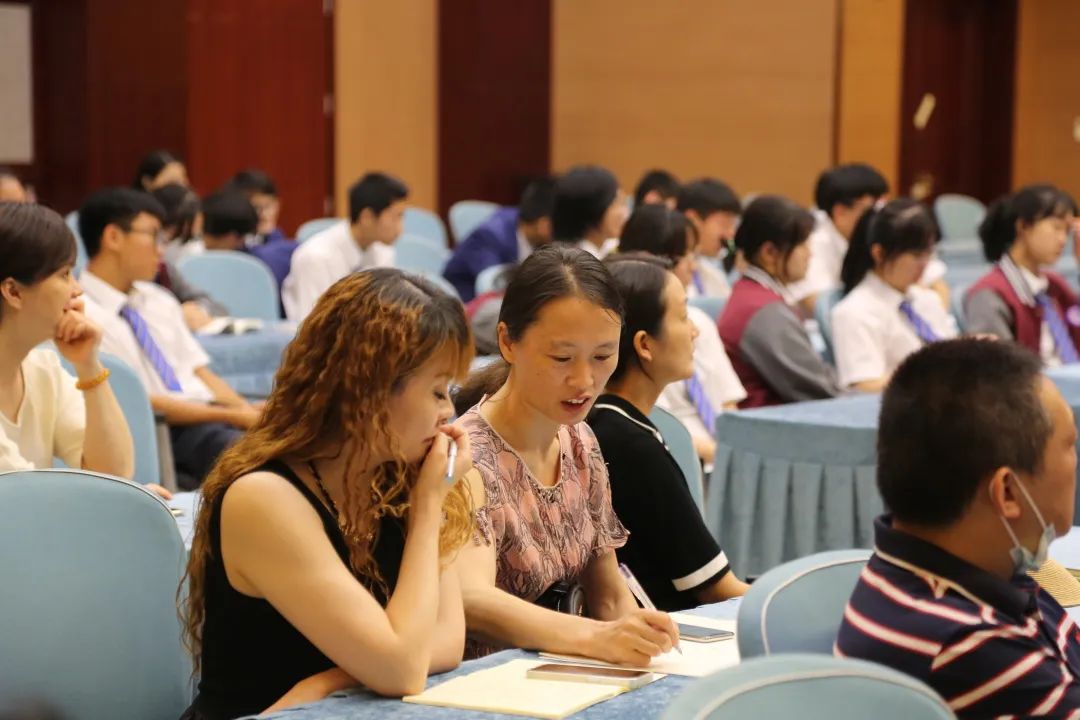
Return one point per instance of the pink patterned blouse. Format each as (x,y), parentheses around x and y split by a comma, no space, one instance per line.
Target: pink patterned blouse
(542,535)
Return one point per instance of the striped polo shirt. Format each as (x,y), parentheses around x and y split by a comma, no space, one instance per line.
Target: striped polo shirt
(990,648)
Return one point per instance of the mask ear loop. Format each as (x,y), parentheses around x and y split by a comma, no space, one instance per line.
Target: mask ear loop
(1027,496)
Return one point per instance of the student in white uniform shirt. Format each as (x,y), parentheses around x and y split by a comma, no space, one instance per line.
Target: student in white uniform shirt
(842,194)
(714,387)
(45,413)
(589,210)
(714,209)
(885,314)
(376,215)
(144,326)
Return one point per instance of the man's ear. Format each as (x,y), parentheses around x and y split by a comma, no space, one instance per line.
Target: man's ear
(1004,494)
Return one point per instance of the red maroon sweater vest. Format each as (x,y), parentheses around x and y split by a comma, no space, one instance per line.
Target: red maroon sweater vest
(747,297)
(1027,320)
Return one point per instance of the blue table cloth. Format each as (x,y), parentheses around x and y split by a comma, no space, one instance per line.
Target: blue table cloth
(793,480)
(249,362)
(646,702)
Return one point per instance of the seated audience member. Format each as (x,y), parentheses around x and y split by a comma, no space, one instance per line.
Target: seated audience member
(263,195)
(885,314)
(670,551)
(322,547)
(762,332)
(713,208)
(44,412)
(1025,233)
(713,387)
(376,214)
(842,195)
(144,326)
(182,229)
(158,168)
(657,187)
(977,465)
(546,531)
(589,209)
(230,221)
(11,187)
(508,236)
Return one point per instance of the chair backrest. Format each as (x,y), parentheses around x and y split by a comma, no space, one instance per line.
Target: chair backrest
(493,278)
(711,305)
(808,687)
(418,221)
(798,606)
(90,566)
(72,219)
(958,216)
(243,284)
(417,253)
(467,215)
(681,445)
(135,404)
(313,227)
(438,280)
(826,301)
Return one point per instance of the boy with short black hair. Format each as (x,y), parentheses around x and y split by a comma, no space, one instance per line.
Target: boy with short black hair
(713,209)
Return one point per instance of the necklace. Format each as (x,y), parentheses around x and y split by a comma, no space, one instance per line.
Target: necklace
(323,490)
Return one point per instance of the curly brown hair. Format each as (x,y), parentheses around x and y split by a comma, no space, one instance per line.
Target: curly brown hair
(365,336)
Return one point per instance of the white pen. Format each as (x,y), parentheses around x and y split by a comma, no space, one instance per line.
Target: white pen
(451,459)
(639,592)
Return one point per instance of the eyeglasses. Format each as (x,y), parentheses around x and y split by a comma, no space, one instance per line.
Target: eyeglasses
(160,237)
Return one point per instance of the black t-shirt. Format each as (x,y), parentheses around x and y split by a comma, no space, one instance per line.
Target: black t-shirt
(670,550)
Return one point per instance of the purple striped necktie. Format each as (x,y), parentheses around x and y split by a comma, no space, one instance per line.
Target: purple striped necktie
(1066,350)
(697,394)
(150,348)
(922,328)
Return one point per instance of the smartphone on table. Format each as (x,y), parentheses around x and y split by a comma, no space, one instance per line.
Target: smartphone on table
(697,633)
(621,677)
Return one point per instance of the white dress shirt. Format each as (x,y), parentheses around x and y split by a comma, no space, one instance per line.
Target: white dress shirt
(827,250)
(50,421)
(323,260)
(163,317)
(871,336)
(610,245)
(710,280)
(713,369)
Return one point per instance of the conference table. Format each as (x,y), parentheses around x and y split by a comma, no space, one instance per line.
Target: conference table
(792,480)
(646,702)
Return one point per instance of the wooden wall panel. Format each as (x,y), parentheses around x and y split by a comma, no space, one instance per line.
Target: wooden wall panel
(386,94)
(494,98)
(1045,148)
(871,68)
(258,73)
(739,89)
(137,85)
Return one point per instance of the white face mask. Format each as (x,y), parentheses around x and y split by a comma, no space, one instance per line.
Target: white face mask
(1025,561)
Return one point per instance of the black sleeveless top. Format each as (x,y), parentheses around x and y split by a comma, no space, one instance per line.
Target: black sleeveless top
(252,655)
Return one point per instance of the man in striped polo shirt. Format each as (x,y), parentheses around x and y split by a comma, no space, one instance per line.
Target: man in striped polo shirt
(977,465)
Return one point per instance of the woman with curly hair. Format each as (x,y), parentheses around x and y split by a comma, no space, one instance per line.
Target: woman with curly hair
(324,538)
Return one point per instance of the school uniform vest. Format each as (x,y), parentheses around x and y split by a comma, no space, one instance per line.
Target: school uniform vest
(1028,319)
(747,298)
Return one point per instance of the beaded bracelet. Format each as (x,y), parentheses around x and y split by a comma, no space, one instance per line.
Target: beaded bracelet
(92,383)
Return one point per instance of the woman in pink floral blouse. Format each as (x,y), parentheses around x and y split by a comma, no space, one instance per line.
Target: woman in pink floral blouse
(539,482)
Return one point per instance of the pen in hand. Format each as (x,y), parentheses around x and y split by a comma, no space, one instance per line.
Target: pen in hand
(639,593)
(450,462)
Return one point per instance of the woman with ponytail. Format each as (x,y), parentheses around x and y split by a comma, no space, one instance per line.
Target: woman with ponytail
(762,333)
(546,532)
(885,314)
(1024,233)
